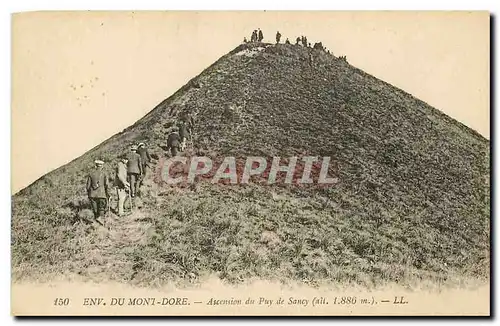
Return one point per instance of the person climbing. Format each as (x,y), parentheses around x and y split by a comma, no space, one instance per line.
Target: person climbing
(278,37)
(134,170)
(287,41)
(173,142)
(191,124)
(183,135)
(261,36)
(145,160)
(145,156)
(121,184)
(98,190)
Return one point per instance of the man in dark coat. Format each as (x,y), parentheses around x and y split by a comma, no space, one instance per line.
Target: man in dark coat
(145,160)
(134,170)
(145,157)
(173,142)
(98,189)
(278,36)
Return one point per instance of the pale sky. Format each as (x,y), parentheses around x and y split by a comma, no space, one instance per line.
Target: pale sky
(80,77)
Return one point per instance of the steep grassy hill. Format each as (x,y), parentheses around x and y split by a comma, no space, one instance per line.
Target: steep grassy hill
(412,200)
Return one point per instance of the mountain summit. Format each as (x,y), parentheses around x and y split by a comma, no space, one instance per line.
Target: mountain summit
(412,201)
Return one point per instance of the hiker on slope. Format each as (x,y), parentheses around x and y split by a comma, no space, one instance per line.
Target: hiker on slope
(98,189)
(191,124)
(173,142)
(121,183)
(145,159)
(278,37)
(311,58)
(134,170)
(183,135)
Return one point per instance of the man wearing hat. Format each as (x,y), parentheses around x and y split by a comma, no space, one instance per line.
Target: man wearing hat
(134,170)
(98,189)
(121,183)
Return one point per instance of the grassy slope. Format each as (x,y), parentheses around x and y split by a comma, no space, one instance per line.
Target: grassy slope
(412,202)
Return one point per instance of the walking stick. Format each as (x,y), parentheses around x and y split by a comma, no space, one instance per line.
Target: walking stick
(131,202)
(107,212)
(109,206)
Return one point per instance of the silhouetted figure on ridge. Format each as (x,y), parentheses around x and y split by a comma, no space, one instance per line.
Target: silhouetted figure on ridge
(261,36)
(254,36)
(318,46)
(278,36)
(297,40)
(287,41)
(304,41)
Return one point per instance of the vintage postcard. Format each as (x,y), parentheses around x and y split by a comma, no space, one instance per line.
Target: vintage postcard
(250,163)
